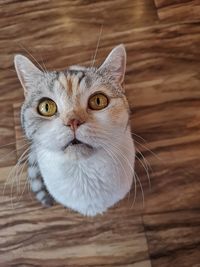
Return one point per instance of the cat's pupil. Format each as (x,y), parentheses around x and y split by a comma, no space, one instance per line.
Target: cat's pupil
(98,101)
(47,107)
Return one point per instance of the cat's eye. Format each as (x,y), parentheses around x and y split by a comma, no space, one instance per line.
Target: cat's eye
(47,107)
(98,101)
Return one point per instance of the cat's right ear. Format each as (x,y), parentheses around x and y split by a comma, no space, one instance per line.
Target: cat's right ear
(27,72)
(115,63)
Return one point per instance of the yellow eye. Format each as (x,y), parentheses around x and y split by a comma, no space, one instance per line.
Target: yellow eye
(47,107)
(98,101)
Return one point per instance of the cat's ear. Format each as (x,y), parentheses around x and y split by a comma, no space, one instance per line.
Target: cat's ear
(27,72)
(115,63)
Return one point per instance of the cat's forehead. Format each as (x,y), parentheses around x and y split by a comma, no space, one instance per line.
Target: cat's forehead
(71,80)
(78,80)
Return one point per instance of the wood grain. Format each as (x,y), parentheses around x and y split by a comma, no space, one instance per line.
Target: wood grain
(162,86)
(178,10)
(7,140)
(173,238)
(21,142)
(61,33)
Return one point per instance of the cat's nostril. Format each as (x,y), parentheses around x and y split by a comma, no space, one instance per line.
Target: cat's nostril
(74,124)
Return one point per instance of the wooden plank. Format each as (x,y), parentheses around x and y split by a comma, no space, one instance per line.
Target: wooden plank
(7,140)
(178,10)
(22,144)
(173,238)
(61,33)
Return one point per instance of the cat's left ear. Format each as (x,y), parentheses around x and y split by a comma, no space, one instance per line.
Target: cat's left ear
(27,72)
(115,63)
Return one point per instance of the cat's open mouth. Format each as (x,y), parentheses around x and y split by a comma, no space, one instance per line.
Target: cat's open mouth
(76,143)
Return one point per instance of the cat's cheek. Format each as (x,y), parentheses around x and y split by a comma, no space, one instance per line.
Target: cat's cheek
(112,121)
(54,137)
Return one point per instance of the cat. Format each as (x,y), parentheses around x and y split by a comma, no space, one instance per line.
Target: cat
(77,120)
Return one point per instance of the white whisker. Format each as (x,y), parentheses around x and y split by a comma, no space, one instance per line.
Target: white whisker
(145,166)
(3,158)
(25,49)
(97,47)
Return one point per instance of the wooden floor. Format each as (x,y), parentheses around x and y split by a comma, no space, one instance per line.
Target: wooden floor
(162,38)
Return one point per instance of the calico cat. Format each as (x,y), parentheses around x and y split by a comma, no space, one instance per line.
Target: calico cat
(82,153)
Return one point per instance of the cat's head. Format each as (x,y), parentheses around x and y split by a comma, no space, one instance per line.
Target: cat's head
(78,110)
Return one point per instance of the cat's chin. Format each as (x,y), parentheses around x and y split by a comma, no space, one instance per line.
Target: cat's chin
(78,151)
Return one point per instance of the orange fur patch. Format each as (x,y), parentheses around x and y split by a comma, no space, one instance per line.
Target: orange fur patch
(69,85)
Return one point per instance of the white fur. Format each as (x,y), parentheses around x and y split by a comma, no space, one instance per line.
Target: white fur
(36,185)
(91,185)
(40,195)
(32,171)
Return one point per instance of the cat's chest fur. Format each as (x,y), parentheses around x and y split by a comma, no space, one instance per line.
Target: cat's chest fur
(88,186)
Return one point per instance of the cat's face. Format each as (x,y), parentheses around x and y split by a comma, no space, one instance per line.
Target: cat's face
(76,111)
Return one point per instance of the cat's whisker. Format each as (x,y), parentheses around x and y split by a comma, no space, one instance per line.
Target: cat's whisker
(25,49)
(122,154)
(11,152)
(118,161)
(12,143)
(148,149)
(147,164)
(140,137)
(144,165)
(97,47)
(44,67)
(115,160)
(141,187)
(16,180)
(144,159)
(145,168)
(139,182)
(26,180)
(18,169)
(135,178)
(117,134)
(135,189)
(13,181)
(19,175)
(23,190)
(10,175)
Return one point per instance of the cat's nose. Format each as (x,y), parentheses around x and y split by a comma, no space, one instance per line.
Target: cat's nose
(74,124)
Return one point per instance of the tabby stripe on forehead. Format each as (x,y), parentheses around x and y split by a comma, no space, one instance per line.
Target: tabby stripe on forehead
(78,73)
(69,84)
(81,75)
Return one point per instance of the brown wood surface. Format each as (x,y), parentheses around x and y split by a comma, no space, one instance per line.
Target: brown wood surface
(162,38)
(178,10)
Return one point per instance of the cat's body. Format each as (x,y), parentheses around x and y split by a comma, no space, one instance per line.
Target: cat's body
(83,154)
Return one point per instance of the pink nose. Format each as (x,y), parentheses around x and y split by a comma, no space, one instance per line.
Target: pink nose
(74,124)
